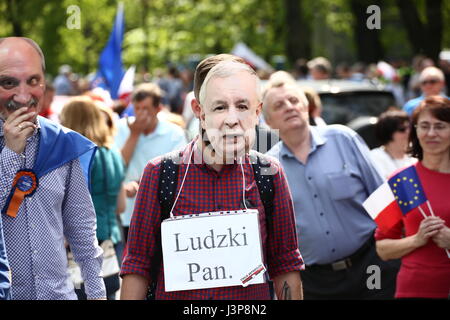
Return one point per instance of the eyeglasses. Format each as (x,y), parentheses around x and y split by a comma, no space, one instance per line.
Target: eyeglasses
(402,129)
(430,81)
(437,127)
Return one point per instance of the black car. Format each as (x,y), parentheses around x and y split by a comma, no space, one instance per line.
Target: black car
(351,103)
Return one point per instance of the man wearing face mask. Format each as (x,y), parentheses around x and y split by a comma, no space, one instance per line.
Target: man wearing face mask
(44,193)
(216,168)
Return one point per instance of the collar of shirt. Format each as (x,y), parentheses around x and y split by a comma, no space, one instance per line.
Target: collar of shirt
(317,140)
(2,123)
(160,129)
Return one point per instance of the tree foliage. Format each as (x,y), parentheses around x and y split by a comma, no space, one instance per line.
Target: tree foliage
(162,31)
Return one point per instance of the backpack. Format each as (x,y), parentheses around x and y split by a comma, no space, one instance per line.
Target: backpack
(167,186)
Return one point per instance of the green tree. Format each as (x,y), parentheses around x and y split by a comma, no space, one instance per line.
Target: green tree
(425,34)
(368,42)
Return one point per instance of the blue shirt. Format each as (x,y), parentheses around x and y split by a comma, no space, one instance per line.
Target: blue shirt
(60,209)
(412,104)
(328,192)
(165,138)
(5,283)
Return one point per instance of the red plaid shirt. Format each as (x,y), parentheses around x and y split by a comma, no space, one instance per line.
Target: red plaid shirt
(206,190)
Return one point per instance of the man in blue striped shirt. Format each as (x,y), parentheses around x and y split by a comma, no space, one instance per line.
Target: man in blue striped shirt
(329,174)
(5,281)
(44,194)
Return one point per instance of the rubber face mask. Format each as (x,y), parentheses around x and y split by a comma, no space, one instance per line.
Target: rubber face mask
(229,116)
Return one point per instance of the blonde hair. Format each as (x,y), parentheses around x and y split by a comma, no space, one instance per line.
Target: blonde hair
(81,114)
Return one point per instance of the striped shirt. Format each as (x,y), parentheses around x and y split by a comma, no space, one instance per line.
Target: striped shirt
(61,208)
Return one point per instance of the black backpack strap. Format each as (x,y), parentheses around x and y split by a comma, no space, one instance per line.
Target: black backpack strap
(264,180)
(168,180)
(167,187)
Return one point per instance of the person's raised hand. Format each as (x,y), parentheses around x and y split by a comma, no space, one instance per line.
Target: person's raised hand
(17,128)
(131,188)
(141,122)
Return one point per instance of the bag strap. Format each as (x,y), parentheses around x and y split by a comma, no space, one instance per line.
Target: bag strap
(264,181)
(168,181)
(167,186)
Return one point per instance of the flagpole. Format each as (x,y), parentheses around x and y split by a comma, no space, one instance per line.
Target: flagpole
(429,208)
(432,213)
(422,212)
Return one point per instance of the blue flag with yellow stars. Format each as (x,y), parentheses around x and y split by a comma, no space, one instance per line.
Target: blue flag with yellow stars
(407,189)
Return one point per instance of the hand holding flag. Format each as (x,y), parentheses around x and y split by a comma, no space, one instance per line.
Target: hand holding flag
(428,228)
(397,197)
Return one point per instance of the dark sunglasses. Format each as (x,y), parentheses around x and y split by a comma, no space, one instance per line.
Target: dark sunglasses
(431,81)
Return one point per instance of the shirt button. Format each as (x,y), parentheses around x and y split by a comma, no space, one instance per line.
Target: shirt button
(315,196)
(35,251)
(309,178)
(321,214)
(333,250)
(328,232)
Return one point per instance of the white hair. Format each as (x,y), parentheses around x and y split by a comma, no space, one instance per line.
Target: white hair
(432,72)
(225,69)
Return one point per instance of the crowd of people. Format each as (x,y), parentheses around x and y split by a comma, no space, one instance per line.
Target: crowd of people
(85,187)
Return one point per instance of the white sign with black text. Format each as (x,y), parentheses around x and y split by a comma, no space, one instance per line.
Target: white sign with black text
(210,250)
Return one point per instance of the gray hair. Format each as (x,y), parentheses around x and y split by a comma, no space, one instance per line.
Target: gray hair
(34,45)
(225,69)
(278,82)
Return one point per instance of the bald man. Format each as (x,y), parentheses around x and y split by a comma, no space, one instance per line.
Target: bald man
(44,194)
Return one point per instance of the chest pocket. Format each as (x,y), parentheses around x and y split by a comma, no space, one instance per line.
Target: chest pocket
(343,185)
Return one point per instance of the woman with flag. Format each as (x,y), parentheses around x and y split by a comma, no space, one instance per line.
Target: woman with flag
(417,229)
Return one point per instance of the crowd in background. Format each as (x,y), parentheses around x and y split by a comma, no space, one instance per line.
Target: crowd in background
(157,118)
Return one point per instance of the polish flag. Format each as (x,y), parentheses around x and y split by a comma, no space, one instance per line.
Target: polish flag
(126,86)
(383,207)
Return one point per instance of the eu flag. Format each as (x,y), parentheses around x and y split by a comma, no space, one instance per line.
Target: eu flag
(110,64)
(407,189)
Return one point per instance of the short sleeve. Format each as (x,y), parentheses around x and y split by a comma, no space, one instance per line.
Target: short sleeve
(395,232)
